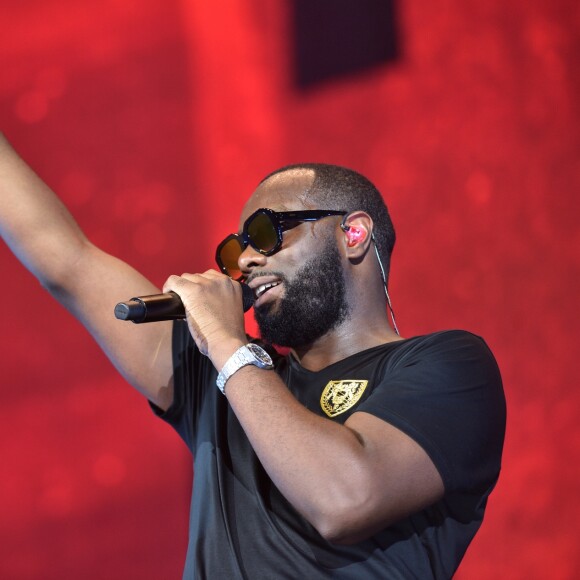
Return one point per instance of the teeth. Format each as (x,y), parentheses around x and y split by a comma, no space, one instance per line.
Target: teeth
(261,289)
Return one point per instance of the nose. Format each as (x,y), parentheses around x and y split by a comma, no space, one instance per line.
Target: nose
(250,259)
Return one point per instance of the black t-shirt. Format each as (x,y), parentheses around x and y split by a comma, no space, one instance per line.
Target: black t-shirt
(443,390)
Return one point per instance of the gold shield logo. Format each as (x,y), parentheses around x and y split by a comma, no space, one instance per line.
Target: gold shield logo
(340,396)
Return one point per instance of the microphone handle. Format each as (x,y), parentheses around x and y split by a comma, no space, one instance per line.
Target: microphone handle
(158,307)
(152,308)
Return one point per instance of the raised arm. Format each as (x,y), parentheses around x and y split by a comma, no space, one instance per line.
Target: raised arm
(87,281)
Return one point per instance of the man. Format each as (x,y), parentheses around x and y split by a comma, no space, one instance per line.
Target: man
(360,454)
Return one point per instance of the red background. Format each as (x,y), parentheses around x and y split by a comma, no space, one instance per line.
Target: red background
(155,119)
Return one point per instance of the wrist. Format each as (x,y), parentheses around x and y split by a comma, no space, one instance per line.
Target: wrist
(222,351)
(248,354)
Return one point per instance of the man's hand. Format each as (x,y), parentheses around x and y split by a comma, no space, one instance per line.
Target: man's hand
(213,306)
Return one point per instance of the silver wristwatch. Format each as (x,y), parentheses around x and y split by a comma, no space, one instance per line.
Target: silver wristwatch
(250,354)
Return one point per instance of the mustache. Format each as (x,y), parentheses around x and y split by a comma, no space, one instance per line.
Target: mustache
(263,273)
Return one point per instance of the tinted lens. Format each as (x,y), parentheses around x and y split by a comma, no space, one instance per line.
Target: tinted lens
(262,233)
(228,256)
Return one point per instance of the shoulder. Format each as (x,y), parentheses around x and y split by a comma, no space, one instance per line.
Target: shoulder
(445,347)
(446,340)
(443,361)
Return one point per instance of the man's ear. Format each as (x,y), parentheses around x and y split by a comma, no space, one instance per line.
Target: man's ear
(358,229)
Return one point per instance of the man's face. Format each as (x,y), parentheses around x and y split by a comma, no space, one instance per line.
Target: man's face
(306,292)
(313,303)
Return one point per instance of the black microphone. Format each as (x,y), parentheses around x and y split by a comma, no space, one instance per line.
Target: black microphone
(157,307)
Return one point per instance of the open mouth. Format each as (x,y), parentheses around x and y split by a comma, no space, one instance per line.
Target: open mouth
(263,288)
(263,283)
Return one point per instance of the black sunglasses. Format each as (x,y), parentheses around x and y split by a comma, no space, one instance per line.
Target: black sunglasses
(263,231)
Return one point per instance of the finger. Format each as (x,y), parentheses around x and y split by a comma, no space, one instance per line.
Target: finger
(176,283)
(169,284)
(212,273)
(188,283)
(214,276)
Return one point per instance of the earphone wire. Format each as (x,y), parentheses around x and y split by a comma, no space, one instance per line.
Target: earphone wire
(384,277)
(345,228)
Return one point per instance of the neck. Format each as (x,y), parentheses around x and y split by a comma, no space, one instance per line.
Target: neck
(353,335)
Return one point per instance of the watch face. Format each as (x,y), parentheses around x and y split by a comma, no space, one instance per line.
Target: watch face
(260,354)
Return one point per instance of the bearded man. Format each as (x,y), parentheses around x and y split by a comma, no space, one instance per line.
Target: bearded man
(359,453)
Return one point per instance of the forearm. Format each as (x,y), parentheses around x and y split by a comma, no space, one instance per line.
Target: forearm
(319,465)
(34,222)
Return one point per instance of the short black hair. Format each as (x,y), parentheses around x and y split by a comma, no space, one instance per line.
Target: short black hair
(339,188)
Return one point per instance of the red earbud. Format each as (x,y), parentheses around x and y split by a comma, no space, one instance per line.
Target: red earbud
(355,235)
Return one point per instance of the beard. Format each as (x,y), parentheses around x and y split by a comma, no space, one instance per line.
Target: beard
(313,304)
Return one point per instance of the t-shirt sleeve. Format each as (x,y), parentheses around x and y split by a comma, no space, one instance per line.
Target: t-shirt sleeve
(193,374)
(446,393)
